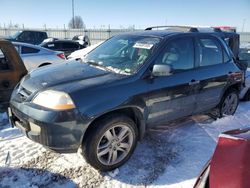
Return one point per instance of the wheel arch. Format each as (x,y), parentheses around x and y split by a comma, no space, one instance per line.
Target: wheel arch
(132,112)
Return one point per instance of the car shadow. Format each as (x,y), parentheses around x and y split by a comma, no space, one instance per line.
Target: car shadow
(164,151)
(32,177)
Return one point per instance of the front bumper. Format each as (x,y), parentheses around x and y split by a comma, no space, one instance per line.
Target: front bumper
(61,131)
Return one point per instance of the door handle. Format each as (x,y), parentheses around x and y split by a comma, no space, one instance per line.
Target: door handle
(6,84)
(194,82)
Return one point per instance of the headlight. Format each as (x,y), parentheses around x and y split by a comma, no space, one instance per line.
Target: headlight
(55,100)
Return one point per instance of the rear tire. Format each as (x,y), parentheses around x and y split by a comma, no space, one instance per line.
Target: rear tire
(229,103)
(110,143)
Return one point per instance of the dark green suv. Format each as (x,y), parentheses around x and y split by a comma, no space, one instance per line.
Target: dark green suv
(105,102)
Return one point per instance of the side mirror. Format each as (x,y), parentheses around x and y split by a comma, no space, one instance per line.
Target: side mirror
(161,70)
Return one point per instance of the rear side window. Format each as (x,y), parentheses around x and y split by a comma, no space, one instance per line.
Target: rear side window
(28,50)
(68,45)
(179,54)
(210,52)
(4,62)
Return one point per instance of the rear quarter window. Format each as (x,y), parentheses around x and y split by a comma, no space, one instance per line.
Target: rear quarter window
(28,50)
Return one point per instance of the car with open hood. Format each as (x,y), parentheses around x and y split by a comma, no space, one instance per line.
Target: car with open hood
(12,69)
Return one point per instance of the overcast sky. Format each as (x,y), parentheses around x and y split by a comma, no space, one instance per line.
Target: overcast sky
(125,13)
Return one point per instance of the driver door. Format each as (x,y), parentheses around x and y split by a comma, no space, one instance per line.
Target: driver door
(171,97)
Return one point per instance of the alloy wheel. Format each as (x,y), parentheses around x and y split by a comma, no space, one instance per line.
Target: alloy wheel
(115,145)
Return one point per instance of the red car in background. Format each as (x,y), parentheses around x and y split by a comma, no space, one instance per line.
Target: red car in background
(230,164)
(226,28)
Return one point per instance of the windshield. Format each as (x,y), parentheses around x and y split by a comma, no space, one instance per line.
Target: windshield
(123,54)
(15,35)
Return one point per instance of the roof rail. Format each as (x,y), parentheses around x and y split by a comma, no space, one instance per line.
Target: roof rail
(186,28)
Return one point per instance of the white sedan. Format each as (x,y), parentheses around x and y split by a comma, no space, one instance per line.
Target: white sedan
(81,53)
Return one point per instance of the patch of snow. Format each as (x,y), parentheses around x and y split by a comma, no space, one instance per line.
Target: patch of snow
(170,156)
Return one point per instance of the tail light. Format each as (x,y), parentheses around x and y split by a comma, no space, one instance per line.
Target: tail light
(61,55)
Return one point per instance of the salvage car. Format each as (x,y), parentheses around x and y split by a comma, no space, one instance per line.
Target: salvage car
(12,70)
(35,56)
(104,103)
(229,166)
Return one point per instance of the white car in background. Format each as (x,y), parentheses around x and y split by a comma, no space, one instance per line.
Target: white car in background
(81,53)
(35,56)
(244,54)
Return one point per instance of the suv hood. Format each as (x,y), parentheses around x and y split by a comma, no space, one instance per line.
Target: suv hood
(65,73)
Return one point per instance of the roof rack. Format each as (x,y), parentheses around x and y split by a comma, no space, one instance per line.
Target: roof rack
(185,28)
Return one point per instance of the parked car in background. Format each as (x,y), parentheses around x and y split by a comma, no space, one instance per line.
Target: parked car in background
(229,166)
(66,46)
(35,56)
(244,54)
(78,54)
(28,36)
(226,28)
(133,81)
(12,70)
(82,39)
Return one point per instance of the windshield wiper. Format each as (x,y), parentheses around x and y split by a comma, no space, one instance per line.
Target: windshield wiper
(92,62)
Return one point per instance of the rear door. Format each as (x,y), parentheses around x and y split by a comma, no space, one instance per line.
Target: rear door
(12,70)
(212,72)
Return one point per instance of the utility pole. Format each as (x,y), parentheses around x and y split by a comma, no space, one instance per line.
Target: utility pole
(73,13)
(243,25)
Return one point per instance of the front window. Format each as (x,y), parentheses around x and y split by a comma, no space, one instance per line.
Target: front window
(123,54)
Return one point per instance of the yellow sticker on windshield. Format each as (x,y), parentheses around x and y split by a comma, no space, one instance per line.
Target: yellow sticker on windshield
(143,45)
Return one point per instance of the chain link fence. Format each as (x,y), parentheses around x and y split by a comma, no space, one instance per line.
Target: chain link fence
(95,35)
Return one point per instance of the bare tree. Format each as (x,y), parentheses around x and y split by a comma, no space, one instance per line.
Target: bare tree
(76,23)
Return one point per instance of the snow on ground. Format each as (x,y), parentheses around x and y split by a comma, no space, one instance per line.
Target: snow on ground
(170,156)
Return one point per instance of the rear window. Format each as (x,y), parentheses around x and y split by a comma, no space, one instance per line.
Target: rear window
(210,52)
(4,62)
(28,50)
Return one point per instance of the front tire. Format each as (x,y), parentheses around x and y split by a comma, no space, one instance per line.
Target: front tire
(229,103)
(110,143)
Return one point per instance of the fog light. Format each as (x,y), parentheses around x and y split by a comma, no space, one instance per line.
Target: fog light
(35,128)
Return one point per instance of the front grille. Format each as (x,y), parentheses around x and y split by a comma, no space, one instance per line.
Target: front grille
(17,116)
